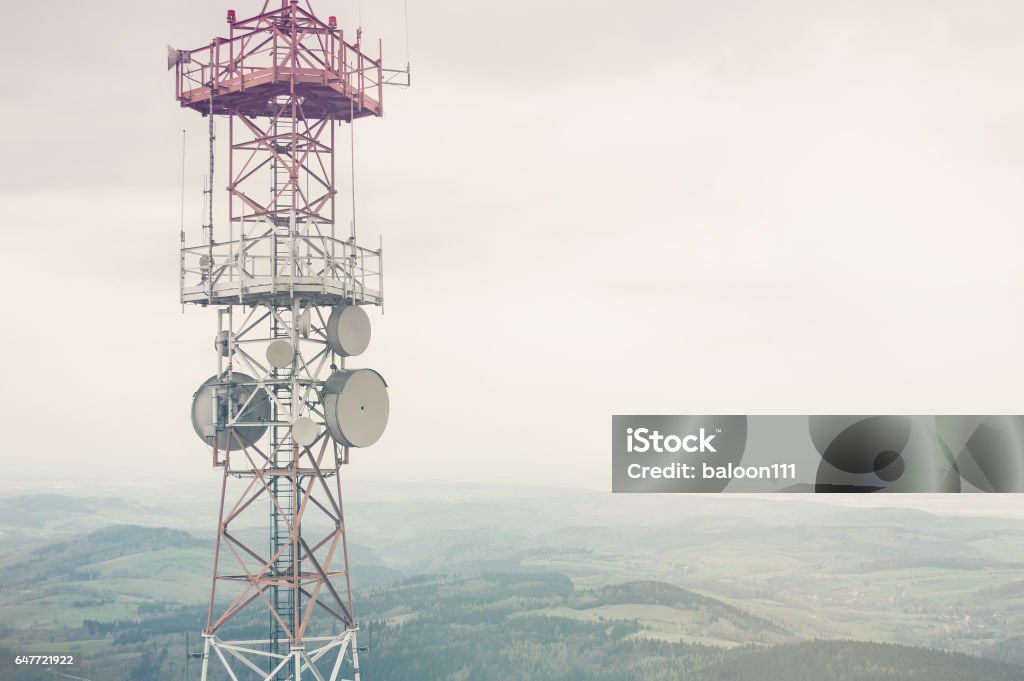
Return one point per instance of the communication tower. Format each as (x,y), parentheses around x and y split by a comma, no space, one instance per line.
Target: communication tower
(283,411)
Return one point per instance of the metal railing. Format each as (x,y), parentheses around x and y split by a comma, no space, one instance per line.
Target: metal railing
(248,269)
(262,52)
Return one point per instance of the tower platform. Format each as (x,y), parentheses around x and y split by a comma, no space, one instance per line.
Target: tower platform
(274,269)
(255,91)
(275,56)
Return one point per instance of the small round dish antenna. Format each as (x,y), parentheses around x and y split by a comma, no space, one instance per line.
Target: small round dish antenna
(217,394)
(305,431)
(356,406)
(280,353)
(348,330)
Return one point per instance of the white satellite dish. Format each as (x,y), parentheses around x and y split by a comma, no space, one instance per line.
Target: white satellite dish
(280,353)
(356,406)
(217,391)
(305,431)
(348,330)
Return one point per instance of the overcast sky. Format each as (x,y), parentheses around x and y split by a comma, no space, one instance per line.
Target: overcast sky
(588,209)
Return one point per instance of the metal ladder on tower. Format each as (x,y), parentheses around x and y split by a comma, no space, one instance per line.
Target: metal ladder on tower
(283,595)
(282,514)
(285,196)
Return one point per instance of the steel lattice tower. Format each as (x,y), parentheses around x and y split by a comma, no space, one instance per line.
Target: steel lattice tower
(282,411)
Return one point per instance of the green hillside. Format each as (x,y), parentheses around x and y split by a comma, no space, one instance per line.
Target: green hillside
(538,585)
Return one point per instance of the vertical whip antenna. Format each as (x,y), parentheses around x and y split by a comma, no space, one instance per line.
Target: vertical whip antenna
(408,59)
(181,225)
(352,165)
(181,222)
(209,183)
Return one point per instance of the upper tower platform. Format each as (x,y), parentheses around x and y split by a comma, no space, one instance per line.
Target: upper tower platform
(283,52)
(284,80)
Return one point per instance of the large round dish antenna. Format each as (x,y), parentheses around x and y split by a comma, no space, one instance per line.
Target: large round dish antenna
(348,330)
(356,406)
(217,393)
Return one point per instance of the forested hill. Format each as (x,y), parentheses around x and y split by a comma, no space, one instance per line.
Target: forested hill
(77,558)
(498,626)
(516,627)
(667,595)
(854,661)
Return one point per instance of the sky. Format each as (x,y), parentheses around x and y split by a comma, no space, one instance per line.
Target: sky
(588,209)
